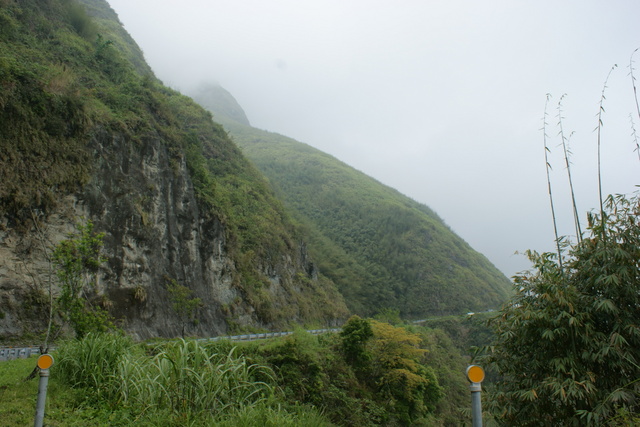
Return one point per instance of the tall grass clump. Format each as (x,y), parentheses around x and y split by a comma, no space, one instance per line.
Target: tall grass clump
(91,362)
(185,378)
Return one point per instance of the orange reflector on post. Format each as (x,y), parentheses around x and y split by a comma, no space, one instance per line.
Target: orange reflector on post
(475,373)
(45,361)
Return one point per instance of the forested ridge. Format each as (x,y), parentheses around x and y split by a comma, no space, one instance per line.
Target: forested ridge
(382,249)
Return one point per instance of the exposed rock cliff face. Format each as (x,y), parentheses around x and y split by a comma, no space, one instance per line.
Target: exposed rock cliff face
(156,233)
(25,270)
(143,199)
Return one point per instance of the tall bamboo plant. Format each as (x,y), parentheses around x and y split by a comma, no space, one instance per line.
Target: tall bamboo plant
(634,135)
(567,154)
(548,168)
(566,345)
(635,95)
(599,129)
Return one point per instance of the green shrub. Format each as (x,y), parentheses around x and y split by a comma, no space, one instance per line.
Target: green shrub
(77,260)
(80,21)
(354,335)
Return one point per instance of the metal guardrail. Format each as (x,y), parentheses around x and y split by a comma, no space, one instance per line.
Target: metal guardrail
(264,335)
(11,353)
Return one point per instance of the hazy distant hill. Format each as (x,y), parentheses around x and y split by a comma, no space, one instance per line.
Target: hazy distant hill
(381,248)
(214,97)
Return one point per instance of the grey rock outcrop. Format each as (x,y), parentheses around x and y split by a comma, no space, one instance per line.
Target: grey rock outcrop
(143,199)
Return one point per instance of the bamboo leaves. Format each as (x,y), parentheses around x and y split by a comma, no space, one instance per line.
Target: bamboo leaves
(572,334)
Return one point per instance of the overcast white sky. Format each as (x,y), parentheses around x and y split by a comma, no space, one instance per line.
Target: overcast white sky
(442,100)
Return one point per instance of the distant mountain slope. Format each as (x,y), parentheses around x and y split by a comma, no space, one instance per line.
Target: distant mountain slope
(217,99)
(381,248)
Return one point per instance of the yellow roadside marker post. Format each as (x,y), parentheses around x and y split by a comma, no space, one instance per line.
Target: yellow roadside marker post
(475,374)
(44,363)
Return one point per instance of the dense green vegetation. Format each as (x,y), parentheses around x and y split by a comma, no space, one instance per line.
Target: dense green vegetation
(370,374)
(567,345)
(382,249)
(468,332)
(82,392)
(77,260)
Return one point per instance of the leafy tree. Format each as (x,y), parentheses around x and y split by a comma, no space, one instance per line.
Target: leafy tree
(354,337)
(184,304)
(567,345)
(77,260)
(389,315)
(401,376)
(390,361)
(449,365)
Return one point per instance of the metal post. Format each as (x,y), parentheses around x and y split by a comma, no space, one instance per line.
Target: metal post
(476,404)
(45,361)
(475,375)
(42,397)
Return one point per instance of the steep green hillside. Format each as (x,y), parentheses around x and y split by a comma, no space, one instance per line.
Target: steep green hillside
(82,115)
(383,249)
